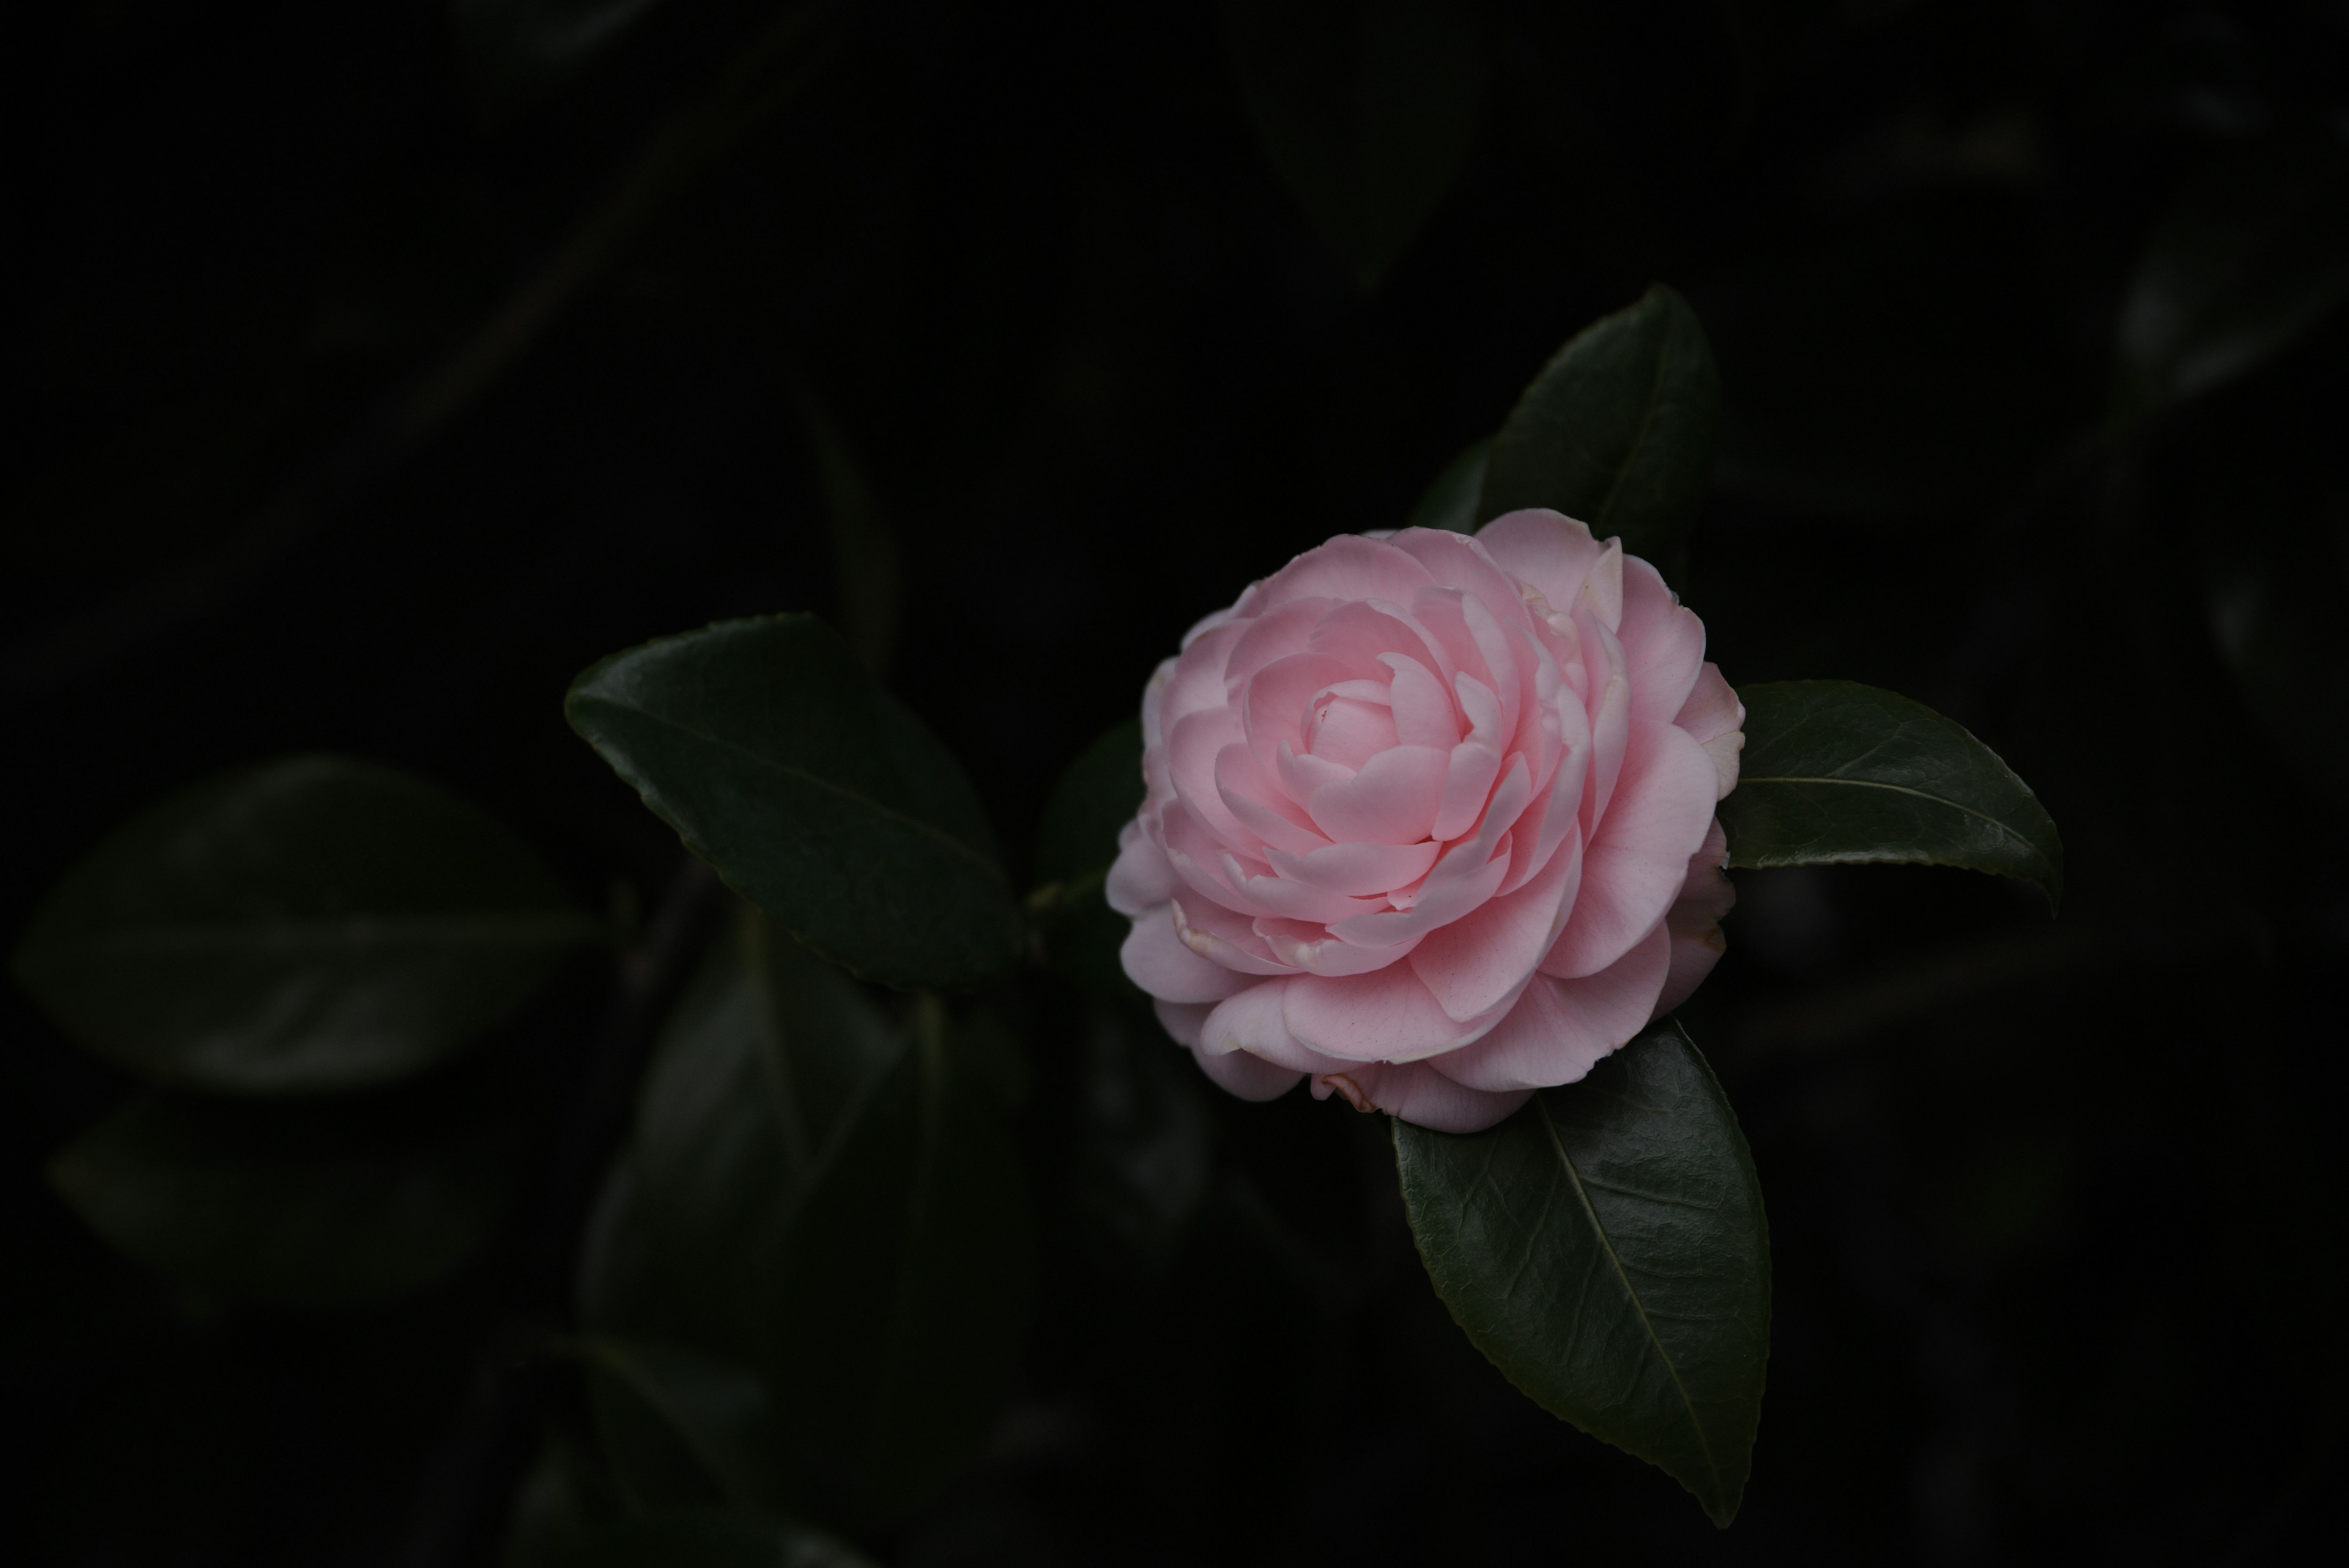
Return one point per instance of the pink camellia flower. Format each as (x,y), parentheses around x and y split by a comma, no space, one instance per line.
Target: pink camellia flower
(1429,820)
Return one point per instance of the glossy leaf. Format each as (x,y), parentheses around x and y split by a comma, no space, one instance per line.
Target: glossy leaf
(310,924)
(834,1198)
(782,762)
(1837,773)
(1367,108)
(1451,501)
(285,1204)
(1076,843)
(682,1427)
(1617,429)
(2252,254)
(709,1538)
(1606,1247)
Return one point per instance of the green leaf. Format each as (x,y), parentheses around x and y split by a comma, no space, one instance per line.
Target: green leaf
(709,1538)
(835,1199)
(289,1205)
(1367,108)
(1076,845)
(310,924)
(1837,773)
(1617,430)
(2251,254)
(1606,1247)
(681,1428)
(782,762)
(1451,501)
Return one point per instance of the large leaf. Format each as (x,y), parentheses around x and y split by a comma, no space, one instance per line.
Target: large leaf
(1076,843)
(1836,772)
(681,1428)
(1367,108)
(1617,430)
(2252,254)
(1606,1247)
(707,1538)
(315,923)
(290,1205)
(835,1199)
(782,762)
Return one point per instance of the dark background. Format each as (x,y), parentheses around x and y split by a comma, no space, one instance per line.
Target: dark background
(367,388)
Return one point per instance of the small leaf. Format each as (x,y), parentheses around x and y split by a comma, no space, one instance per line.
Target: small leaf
(682,1427)
(305,925)
(1617,430)
(709,1538)
(1451,501)
(1367,108)
(1076,845)
(1837,773)
(2252,254)
(836,1200)
(1606,1247)
(782,762)
(288,1204)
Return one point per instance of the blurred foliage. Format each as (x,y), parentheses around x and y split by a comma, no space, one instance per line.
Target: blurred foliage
(362,407)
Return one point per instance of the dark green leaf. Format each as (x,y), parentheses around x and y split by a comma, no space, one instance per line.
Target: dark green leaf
(1836,773)
(1451,501)
(836,1200)
(865,566)
(1606,1248)
(682,1427)
(709,1538)
(309,924)
(2252,254)
(1075,845)
(784,764)
(1617,430)
(1367,108)
(287,1204)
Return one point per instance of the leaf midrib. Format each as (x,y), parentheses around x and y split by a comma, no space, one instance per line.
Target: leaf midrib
(2010,832)
(792,770)
(1598,1229)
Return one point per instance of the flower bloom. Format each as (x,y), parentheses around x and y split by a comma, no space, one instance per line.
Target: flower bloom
(1429,820)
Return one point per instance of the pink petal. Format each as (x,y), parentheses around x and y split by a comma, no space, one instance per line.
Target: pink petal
(1635,863)
(1694,921)
(1714,716)
(1457,561)
(1279,699)
(1470,872)
(1392,800)
(1305,946)
(1291,900)
(1663,644)
(1610,715)
(1349,731)
(1347,568)
(1560,1028)
(1363,634)
(1602,590)
(1560,806)
(1245,1076)
(1224,938)
(1156,960)
(1191,750)
(1276,634)
(1423,714)
(1260,806)
(1251,1021)
(1303,773)
(1388,1015)
(1473,764)
(1357,869)
(1182,1019)
(1481,959)
(1195,682)
(1551,552)
(1414,1092)
(1141,876)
